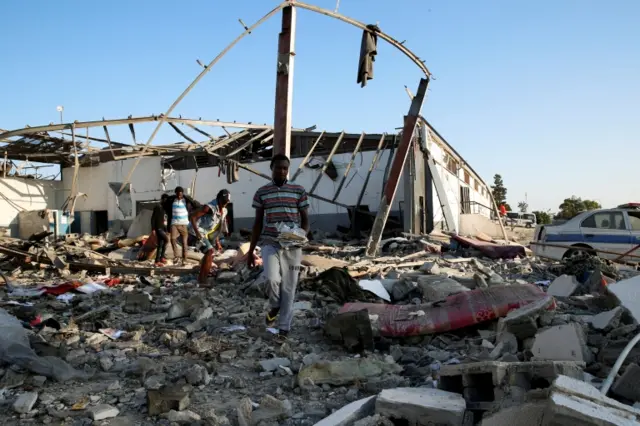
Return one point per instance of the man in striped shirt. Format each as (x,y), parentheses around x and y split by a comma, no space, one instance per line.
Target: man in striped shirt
(279,201)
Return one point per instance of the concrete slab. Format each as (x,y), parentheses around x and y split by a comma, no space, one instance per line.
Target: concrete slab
(628,293)
(574,402)
(607,320)
(422,406)
(522,321)
(628,385)
(562,343)
(350,413)
(523,415)
(563,286)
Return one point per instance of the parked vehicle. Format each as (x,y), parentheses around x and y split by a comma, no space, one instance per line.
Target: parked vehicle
(527,220)
(613,230)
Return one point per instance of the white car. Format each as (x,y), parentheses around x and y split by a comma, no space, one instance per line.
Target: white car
(611,230)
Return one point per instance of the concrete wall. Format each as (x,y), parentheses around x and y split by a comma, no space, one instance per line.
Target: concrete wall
(17,194)
(323,215)
(452,183)
(94,181)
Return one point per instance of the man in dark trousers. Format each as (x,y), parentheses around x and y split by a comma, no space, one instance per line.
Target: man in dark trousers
(159,227)
(279,202)
(177,208)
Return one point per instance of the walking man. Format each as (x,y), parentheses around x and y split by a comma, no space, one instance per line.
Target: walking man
(207,224)
(279,201)
(177,208)
(159,227)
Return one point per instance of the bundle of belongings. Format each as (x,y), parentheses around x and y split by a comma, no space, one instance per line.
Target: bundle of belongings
(289,236)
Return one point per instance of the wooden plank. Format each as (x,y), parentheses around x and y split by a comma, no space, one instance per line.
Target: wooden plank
(348,169)
(284,83)
(399,160)
(306,158)
(327,162)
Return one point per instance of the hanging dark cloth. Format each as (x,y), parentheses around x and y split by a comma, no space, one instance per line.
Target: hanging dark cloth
(368,52)
(232,172)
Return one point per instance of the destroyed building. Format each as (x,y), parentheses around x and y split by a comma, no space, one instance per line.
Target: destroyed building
(342,169)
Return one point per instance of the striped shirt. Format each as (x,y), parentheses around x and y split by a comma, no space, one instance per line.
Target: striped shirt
(281,204)
(179,213)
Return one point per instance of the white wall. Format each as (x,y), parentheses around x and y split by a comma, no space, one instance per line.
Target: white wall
(18,194)
(208,184)
(452,184)
(94,181)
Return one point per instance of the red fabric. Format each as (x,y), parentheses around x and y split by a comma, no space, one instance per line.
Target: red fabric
(492,250)
(148,246)
(503,210)
(62,288)
(457,311)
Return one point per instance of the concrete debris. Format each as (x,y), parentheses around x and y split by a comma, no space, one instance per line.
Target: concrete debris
(150,345)
(350,413)
(25,402)
(628,385)
(562,343)
(103,411)
(422,406)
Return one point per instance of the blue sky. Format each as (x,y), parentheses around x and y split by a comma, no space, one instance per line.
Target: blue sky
(545,93)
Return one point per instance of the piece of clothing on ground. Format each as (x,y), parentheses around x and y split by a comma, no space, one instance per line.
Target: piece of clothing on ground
(282,269)
(337,284)
(368,52)
(281,204)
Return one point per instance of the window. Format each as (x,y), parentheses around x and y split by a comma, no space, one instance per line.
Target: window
(467,178)
(477,186)
(513,215)
(634,220)
(605,220)
(451,163)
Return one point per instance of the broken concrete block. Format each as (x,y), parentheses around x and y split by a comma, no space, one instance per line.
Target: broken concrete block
(350,413)
(198,375)
(340,373)
(182,417)
(25,402)
(422,406)
(507,343)
(430,268)
(103,411)
(135,303)
(436,287)
(522,415)
(628,385)
(626,291)
(271,409)
(563,286)
(522,321)
(574,402)
(184,308)
(562,343)
(273,364)
(166,399)
(607,320)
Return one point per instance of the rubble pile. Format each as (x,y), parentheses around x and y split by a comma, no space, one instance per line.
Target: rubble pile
(433,331)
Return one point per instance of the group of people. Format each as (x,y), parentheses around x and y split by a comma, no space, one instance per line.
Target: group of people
(279,201)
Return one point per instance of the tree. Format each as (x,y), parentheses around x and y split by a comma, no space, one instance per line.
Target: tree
(574,205)
(499,191)
(523,206)
(542,218)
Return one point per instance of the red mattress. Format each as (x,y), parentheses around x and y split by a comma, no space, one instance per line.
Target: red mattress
(457,311)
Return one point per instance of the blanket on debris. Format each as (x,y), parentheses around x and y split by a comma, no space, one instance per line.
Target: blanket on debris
(455,312)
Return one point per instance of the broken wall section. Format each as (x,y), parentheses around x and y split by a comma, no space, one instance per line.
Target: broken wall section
(323,215)
(94,182)
(19,194)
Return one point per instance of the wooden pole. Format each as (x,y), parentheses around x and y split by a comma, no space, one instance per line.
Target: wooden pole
(346,171)
(410,122)
(306,158)
(284,83)
(327,162)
